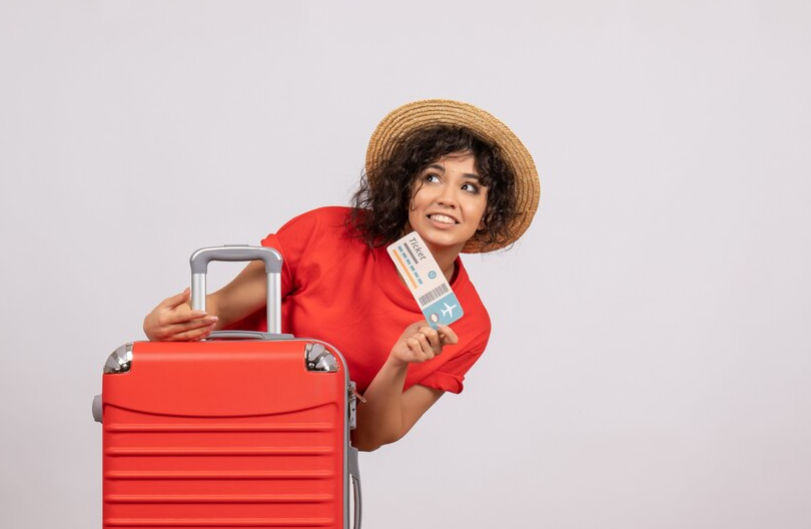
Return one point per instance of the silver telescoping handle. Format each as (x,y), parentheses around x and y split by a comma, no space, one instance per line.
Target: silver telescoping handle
(273,269)
(354,475)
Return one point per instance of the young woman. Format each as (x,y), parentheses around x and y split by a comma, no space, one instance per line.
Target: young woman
(447,170)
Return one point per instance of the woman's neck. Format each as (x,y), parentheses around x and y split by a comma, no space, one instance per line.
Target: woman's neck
(446,259)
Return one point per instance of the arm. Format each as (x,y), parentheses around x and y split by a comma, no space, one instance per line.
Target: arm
(174,320)
(240,298)
(389,412)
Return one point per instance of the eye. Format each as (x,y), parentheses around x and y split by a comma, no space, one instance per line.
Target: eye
(431,177)
(471,188)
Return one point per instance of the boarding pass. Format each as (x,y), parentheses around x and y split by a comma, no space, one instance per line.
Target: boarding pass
(425,280)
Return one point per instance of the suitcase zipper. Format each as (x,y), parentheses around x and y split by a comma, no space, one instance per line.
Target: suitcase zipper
(354,397)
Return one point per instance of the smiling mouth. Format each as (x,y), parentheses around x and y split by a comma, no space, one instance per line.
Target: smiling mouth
(443,219)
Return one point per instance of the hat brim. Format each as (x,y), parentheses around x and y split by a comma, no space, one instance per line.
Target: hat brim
(404,120)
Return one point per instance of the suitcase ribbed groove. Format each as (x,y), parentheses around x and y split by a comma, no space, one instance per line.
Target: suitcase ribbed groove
(219,498)
(221,452)
(230,428)
(219,475)
(205,522)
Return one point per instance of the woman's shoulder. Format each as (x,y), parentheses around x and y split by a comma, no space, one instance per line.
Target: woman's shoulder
(324,213)
(323,218)
(324,229)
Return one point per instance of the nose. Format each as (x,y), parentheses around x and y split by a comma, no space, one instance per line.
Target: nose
(447,197)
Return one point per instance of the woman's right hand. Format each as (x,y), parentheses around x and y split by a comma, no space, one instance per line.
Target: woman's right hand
(420,343)
(173,320)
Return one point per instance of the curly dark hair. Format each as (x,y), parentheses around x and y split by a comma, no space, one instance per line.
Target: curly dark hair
(381,202)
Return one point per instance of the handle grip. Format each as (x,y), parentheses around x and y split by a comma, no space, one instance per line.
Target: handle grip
(273,270)
(354,475)
(248,335)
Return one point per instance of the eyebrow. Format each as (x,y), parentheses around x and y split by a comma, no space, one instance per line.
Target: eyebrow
(471,176)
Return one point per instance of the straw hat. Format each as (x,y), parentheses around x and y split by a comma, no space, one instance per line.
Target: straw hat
(430,112)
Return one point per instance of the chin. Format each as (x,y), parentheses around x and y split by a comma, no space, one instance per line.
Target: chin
(441,243)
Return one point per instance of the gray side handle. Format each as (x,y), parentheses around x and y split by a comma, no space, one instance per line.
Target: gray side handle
(354,475)
(98,414)
(273,269)
(248,335)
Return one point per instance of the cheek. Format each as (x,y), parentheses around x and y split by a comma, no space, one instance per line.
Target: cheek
(422,197)
(414,202)
(416,197)
(481,210)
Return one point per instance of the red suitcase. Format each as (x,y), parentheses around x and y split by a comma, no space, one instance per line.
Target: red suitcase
(241,430)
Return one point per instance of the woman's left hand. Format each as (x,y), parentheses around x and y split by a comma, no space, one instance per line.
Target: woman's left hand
(420,343)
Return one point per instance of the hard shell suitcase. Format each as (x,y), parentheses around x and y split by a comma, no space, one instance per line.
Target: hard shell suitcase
(240,430)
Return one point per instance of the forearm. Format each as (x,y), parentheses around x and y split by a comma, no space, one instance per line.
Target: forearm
(240,298)
(380,418)
(389,412)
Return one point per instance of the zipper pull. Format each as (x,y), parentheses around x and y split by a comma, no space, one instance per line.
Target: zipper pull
(356,394)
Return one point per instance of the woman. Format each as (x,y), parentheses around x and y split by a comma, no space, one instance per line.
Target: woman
(447,170)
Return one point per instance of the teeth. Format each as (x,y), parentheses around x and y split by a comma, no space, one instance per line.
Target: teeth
(442,218)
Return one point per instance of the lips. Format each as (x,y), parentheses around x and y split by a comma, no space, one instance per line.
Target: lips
(443,219)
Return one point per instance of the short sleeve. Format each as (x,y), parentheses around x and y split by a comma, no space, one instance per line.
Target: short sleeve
(450,376)
(293,241)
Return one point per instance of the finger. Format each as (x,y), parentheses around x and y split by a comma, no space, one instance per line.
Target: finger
(183,327)
(177,300)
(179,317)
(447,335)
(192,335)
(433,337)
(425,345)
(202,336)
(416,350)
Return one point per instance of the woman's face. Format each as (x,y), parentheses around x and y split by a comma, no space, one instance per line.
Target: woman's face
(448,202)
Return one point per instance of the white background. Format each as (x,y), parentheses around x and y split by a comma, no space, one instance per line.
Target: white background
(650,365)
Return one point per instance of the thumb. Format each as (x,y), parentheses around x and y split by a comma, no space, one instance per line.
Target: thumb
(448,336)
(178,299)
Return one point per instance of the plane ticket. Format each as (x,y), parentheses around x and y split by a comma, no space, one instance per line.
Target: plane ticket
(425,280)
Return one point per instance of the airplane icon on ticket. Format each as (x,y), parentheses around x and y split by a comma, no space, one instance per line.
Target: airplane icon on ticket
(443,311)
(448,310)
